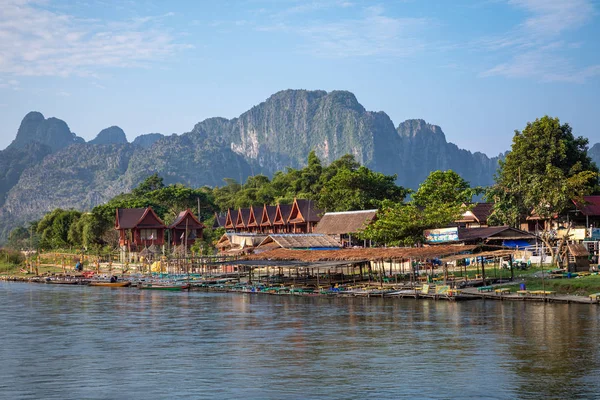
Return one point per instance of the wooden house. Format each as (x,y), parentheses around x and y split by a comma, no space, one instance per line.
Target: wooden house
(344,226)
(186,227)
(303,216)
(578,257)
(476,216)
(139,228)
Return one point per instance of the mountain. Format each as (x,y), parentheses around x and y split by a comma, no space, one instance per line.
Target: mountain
(147,140)
(594,153)
(51,132)
(112,135)
(424,148)
(48,166)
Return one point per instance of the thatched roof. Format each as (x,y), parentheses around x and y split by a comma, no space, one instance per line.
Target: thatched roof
(368,254)
(300,241)
(495,253)
(340,223)
(578,250)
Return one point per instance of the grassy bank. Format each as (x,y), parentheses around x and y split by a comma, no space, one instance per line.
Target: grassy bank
(580,286)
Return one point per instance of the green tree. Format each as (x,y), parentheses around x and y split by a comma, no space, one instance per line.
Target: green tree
(545,170)
(444,187)
(150,184)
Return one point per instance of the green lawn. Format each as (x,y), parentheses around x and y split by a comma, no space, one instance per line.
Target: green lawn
(581,286)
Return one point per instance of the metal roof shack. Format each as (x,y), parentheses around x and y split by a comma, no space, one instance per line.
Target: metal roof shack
(590,206)
(346,222)
(494,235)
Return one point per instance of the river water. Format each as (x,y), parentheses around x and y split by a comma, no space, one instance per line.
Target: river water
(78,342)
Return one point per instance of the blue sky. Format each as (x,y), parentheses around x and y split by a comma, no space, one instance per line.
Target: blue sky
(479,69)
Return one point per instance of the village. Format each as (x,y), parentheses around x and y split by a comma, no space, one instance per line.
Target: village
(299,249)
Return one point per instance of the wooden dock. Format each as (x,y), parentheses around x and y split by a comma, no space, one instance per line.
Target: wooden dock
(542,298)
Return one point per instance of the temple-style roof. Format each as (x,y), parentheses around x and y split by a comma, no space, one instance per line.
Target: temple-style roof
(255,216)
(304,211)
(192,221)
(129,218)
(268,215)
(282,214)
(340,223)
(231,218)
(220,220)
(300,241)
(242,218)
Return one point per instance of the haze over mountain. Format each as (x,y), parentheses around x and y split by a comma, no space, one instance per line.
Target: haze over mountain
(48,166)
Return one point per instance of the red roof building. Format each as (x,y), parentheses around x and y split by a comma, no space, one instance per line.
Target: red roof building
(186,228)
(139,227)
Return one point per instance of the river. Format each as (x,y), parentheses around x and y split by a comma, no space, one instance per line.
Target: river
(77,342)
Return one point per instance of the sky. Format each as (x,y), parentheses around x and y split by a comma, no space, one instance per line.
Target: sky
(479,69)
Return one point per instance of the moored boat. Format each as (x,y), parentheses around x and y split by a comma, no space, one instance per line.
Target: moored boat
(157,286)
(110,284)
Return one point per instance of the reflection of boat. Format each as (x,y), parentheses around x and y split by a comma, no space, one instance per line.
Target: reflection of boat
(63,281)
(159,286)
(111,284)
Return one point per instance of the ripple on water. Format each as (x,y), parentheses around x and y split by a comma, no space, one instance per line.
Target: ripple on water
(82,342)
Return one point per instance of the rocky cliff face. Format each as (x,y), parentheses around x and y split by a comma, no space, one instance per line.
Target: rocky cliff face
(281,131)
(147,140)
(594,153)
(424,148)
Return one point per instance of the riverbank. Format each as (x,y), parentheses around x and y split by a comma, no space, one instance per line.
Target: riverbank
(530,288)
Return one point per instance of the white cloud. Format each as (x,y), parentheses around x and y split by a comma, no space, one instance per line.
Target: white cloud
(9,84)
(537,48)
(35,41)
(372,34)
(551,17)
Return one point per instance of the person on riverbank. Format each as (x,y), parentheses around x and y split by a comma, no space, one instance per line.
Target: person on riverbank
(78,267)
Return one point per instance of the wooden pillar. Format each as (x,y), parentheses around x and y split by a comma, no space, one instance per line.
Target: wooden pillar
(483,271)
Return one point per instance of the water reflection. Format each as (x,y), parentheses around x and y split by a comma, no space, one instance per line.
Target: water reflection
(82,342)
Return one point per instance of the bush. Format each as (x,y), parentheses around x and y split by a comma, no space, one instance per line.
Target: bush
(11,257)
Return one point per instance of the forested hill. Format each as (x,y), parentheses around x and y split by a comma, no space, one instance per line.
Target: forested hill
(48,166)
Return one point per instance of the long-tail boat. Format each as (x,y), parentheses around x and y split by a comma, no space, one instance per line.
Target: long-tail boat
(110,284)
(159,286)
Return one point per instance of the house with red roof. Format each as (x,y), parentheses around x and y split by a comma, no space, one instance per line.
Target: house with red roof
(139,228)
